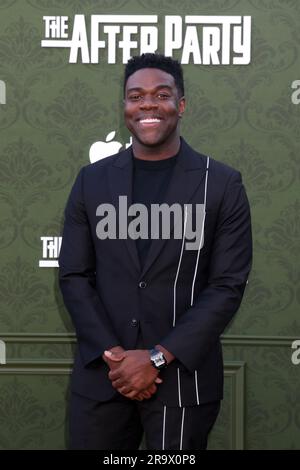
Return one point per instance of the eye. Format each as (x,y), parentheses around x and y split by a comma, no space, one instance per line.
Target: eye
(134,97)
(163,96)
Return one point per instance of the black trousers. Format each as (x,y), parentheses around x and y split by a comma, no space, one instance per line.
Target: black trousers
(120,423)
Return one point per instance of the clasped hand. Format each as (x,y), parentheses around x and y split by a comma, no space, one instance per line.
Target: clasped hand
(132,374)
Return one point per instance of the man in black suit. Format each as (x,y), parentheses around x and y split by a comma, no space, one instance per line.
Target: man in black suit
(149,309)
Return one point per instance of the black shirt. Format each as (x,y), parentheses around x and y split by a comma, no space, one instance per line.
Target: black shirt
(150,182)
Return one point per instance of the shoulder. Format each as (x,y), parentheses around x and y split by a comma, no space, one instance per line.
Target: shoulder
(222,172)
(93,173)
(218,171)
(224,183)
(100,165)
(194,159)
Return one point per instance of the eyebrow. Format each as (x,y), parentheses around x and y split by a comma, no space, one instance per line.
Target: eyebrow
(136,88)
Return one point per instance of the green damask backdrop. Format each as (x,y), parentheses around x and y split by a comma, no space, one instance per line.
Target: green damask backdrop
(242,115)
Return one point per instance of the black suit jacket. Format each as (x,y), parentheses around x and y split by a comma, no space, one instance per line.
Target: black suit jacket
(100,279)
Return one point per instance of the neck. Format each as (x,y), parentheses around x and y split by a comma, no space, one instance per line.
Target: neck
(159,152)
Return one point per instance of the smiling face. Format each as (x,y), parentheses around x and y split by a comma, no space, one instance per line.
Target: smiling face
(152,110)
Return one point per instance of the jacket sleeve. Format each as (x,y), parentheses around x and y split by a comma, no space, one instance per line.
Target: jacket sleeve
(77,280)
(198,330)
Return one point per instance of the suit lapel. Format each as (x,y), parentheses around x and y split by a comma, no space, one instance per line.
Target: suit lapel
(186,177)
(120,184)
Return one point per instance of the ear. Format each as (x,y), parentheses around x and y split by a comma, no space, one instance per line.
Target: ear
(181,106)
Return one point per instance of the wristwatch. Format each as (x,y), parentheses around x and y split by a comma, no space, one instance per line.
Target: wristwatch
(157,359)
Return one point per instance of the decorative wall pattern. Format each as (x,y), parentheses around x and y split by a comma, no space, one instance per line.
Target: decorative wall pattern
(241,115)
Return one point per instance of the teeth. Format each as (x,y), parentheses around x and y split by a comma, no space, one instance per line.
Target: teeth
(150,120)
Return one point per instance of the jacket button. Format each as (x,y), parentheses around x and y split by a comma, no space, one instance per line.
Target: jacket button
(134,322)
(142,285)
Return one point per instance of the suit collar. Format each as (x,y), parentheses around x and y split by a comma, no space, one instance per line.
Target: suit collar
(187,158)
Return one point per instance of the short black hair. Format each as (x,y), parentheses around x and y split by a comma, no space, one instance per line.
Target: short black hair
(156,61)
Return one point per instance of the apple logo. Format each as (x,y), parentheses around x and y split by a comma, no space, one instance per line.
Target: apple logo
(101,149)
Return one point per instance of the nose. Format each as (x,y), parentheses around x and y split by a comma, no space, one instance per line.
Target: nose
(148,102)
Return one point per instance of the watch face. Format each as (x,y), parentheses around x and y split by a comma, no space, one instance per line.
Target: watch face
(158,359)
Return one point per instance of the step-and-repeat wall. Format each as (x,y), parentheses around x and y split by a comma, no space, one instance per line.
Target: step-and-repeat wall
(61,69)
